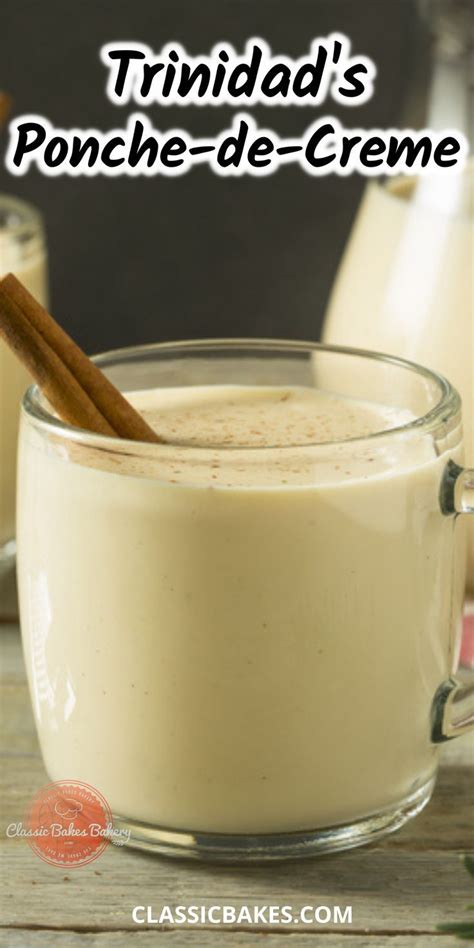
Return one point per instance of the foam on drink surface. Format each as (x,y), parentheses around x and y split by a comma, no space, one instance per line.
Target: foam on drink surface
(210,434)
(263,417)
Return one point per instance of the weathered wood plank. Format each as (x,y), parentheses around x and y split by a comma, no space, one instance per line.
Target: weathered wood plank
(389,891)
(214,939)
(11,656)
(8,596)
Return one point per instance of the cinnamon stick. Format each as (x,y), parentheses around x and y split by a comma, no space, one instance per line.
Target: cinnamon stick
(75,387)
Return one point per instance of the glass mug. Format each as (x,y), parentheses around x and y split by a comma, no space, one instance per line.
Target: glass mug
(258,663)
(23,252)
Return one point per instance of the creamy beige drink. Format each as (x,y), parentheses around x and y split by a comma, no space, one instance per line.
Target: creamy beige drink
(405,283)
(21,252)
(240,636)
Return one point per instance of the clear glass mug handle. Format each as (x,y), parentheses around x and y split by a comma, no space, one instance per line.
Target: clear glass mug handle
(452,711)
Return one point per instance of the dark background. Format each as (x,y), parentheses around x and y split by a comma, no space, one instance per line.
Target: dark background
(142,260)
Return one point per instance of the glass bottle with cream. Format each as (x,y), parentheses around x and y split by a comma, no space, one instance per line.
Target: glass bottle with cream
(405,282)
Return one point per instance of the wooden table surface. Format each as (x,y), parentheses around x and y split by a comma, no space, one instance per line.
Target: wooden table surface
(399,890)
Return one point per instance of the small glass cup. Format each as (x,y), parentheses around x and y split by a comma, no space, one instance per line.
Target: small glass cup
(249,651)
(23,252)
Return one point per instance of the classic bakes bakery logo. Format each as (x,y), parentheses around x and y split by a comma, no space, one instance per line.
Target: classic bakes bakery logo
(68,823)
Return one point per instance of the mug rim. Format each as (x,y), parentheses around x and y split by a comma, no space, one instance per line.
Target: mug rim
(448,406)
